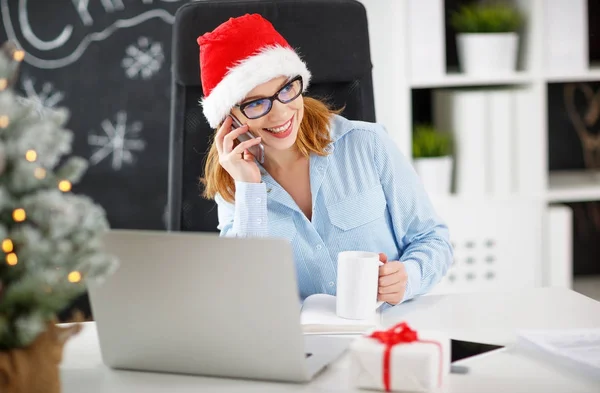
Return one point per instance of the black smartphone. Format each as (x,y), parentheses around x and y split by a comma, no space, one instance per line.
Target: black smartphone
(257,151)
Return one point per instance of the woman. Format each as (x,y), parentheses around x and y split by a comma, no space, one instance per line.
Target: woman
(327,184)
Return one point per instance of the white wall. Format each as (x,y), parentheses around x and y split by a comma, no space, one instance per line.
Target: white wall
(388,41)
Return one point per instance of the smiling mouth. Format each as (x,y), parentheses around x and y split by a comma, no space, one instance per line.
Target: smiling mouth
(281,128)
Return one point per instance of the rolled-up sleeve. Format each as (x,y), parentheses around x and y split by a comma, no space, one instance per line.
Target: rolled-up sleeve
(423,238)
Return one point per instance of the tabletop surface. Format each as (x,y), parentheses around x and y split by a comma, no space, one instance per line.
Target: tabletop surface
(495,317)
(485,317)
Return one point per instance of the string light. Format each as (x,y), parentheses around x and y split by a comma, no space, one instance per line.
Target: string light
(19,55)
(31,155)
(19,215)
(64,185)
(3,83)
(7,245)
(4,122)
(12,259)
(74,276)
(39,173)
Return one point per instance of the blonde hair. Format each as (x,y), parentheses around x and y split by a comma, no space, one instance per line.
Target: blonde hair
(313,137)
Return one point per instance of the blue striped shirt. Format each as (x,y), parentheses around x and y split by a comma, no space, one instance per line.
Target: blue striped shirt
(365,196)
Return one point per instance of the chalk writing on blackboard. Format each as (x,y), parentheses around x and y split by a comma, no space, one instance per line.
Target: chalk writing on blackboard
(79,31)
(145,58)
(119,139)
(46,97)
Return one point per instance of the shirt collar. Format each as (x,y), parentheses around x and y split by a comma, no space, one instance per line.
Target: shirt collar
(338,127)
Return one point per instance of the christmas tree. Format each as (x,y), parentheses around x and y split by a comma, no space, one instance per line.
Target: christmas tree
(50,238)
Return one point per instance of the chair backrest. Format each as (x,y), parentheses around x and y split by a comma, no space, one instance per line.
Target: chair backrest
(497,244)
(330,35)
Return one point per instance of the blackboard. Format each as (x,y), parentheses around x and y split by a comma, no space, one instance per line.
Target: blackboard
(108,62)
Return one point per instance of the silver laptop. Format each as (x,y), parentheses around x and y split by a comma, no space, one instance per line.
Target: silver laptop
(195,303)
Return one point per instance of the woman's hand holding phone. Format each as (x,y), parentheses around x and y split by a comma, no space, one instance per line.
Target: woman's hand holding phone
(237,161)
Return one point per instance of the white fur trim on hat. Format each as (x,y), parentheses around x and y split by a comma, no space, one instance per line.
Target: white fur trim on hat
(267,64)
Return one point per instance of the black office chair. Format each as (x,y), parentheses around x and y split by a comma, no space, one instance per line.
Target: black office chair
(330,35)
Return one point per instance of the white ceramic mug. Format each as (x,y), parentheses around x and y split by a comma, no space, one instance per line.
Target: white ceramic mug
(357,284)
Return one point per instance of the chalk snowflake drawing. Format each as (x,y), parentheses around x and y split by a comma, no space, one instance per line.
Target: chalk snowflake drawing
(143,59)
(119,139)
(46,97)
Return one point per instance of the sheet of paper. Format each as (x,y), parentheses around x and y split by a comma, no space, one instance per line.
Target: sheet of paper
(574,347)
(318,316)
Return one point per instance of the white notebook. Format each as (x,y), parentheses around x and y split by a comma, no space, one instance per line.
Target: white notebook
(578,348)
(317,316)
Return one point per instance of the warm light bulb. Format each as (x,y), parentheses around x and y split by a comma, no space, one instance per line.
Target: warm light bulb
(3,83)
(19,55)
(64,185)
(19,215)
(4,122)
(7,245)
(12,259)
(39,173)
(31,155)
(74,276)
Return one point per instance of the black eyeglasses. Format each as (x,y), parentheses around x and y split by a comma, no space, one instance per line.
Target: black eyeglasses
(260,107)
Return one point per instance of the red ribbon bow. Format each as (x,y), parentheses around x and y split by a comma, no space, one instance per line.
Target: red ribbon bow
(400,334)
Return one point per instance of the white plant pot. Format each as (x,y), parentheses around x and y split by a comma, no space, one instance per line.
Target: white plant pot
(435,174)
(485,54)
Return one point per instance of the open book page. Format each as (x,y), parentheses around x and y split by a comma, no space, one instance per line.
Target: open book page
(318,317)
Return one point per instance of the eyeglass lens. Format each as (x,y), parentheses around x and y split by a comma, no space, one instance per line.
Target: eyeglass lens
(261,107)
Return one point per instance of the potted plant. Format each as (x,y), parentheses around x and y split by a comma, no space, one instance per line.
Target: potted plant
(487,40)
(432,158)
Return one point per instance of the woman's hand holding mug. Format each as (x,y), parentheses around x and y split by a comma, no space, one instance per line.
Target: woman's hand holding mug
(237,160)
(392,281)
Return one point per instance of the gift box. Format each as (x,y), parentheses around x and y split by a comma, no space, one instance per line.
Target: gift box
(400,359)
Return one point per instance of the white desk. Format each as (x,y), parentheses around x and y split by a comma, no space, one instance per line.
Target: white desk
(489,317)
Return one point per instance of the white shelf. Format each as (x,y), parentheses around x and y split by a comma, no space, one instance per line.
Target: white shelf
(574,186)
(482,199)
(457,79)
(591,75)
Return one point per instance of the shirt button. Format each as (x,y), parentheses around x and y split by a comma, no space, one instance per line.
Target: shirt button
(258,200)
(331,283)
(259,220)
(319,246)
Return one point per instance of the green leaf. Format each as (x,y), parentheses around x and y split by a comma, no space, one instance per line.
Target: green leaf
(429,142)
(497,17)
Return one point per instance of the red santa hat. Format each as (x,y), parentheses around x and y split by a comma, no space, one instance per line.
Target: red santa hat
(239,55)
